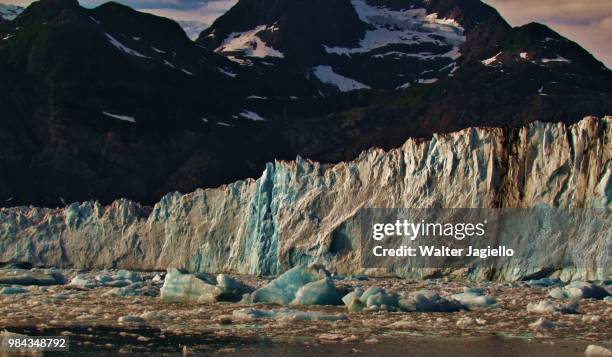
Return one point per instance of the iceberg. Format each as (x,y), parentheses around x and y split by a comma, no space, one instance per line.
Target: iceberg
(321,292)
(374,299)
(179,286)
(283,290)
(428,301)
(579,290)
(30,277)
(473,298)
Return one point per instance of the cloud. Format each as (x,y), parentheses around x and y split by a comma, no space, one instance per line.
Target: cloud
(588,22)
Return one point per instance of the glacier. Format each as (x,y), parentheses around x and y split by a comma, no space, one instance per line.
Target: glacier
(303,212)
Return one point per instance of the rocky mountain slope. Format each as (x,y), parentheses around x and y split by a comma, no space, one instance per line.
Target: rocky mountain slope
(110,103)
(302,212)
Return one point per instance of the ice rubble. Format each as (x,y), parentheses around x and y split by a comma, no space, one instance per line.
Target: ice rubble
(544,282)
(30,277)
(250,314)
(429,301)
(548,307)
(179,286)
(11,290)
(473,298)
(594,350)
(579,290)
(122,278)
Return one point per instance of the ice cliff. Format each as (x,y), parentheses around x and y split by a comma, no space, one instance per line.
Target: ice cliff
(303,212)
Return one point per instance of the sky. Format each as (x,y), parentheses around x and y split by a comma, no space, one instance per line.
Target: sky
(588,22)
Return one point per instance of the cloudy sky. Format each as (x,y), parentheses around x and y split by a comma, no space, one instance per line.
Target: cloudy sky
(588,22)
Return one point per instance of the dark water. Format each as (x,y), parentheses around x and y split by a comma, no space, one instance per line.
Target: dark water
(107,341)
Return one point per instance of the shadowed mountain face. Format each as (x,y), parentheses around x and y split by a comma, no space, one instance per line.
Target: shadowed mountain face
(110,102)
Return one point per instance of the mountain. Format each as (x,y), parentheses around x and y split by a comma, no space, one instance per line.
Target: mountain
(109,102)
(9,12)
(337,44)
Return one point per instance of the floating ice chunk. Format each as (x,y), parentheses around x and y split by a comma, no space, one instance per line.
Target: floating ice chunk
(579,290)
(189,287)
(82,281)
(594,350)
(9,290)
(129,319)
(283,289)
(544,282)
(428,301)
(322,292)
(250,314)
(374,298)
(125,291)
(30,277)
(157,50)
(129,275)
(475,298)
(547,307)
(543,324)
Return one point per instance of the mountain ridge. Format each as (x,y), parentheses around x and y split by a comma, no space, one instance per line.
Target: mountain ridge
(109,102)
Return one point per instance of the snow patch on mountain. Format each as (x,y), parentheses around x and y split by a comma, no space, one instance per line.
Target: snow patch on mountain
(227,73)
(491,61)
(247,114)
(327,75)
(10,12)
(556,59)
(120,117)
(249,43)
(121,47)
(406,27)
